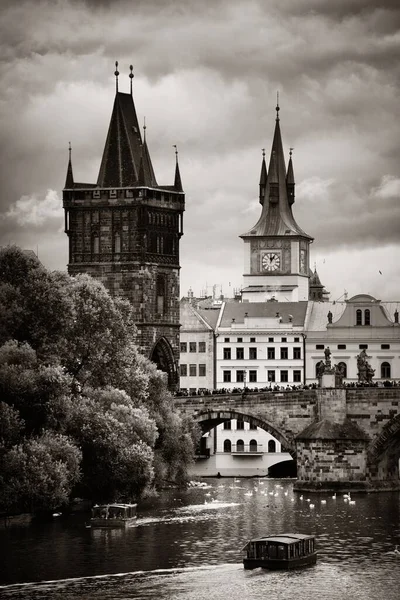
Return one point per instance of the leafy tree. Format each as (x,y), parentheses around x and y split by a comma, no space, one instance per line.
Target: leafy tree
(37,391)
(69,367)
(116,439)
(11,426)
(39,473)
(34,307)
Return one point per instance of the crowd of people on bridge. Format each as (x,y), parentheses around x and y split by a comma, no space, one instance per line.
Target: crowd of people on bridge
(183,392)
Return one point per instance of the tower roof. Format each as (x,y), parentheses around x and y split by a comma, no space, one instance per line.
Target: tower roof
(290,173)
(69,181)
(123,150)
(276,216)
(315,280)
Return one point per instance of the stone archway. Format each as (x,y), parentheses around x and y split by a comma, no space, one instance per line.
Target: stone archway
(163,356)
(209,419)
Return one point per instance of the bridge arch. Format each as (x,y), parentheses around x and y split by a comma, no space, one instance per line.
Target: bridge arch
(384,452)
(208,419)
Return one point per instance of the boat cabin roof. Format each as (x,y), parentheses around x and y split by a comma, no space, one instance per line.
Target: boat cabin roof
(284,538)
(115,505)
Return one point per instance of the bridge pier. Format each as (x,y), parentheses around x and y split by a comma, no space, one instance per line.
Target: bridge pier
(333,452)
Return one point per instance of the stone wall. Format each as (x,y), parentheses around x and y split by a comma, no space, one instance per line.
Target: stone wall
(331,464)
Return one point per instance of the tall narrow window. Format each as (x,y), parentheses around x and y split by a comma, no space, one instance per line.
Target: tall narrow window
(227,425)
(227,446)
(385,370)
(183,369)
(240,446)
(96,244)
(240,376)
(239,353)
(253,353)
(227,353)
(252,376)
(343,368)
(271,446)
(253,446)
(117,243)
(227,376)
(367,317)
(160,294)
(358,316)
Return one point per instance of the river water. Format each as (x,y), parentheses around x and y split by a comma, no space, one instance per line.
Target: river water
(187,545)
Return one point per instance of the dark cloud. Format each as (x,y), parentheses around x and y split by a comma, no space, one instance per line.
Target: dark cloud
(206,75)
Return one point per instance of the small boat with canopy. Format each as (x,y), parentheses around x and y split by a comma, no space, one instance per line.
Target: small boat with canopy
(284,551)
(113,515)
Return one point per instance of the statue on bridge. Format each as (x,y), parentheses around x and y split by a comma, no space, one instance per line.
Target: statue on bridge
(327,353)
(365,371)
(339,374)
(328,375)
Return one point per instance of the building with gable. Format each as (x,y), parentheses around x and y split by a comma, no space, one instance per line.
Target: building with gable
(125,230)
(348,328)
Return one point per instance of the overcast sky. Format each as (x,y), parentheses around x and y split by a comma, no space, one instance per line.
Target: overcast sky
(206,77)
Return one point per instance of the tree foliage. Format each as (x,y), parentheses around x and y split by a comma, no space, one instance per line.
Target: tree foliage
(81,411)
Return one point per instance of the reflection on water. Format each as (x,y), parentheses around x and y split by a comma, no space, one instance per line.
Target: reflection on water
(188,545)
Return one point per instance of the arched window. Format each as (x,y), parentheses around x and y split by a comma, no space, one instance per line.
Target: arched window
(253,445)
(358,316)
(227,446)
(240,446)
(271,446)
(385,370)
(117,243)
(343,368)
(367,317)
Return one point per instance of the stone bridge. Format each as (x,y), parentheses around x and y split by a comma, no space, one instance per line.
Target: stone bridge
(341,438)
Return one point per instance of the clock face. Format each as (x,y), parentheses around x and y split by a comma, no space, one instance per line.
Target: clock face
(271,261)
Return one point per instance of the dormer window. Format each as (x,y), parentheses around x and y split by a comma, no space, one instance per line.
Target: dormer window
(363,319)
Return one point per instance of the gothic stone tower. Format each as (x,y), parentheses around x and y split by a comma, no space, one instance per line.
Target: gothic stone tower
(125,229)
(276,249)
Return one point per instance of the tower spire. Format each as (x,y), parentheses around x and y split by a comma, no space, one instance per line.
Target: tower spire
(277,106)
(178,181)
(263,178)
(131,77)
(69,181)
(116,73)
(290,179)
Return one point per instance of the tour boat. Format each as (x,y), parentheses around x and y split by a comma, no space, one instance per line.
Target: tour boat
(113,515)
(284,551)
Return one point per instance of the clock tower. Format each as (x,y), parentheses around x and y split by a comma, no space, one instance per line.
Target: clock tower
(276,249)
